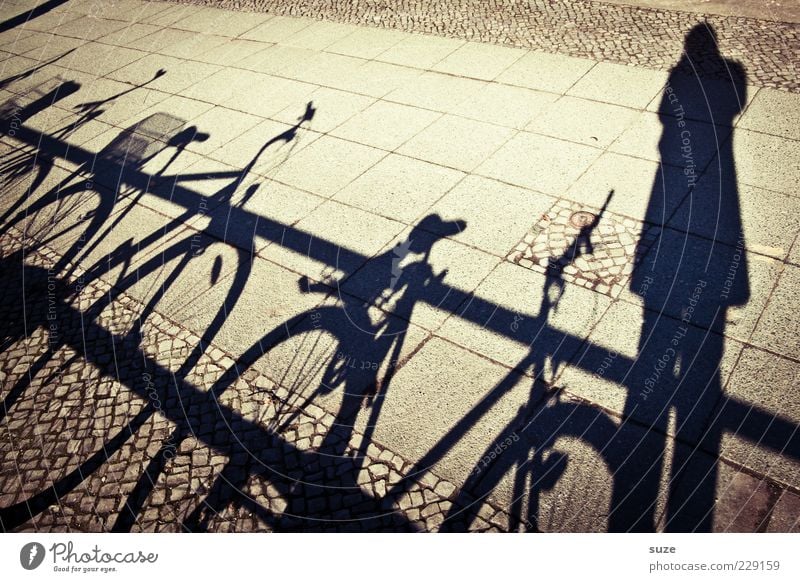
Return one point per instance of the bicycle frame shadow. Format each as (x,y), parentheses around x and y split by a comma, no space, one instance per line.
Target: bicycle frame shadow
(364,333)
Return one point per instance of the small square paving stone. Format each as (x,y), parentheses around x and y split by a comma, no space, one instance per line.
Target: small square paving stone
(620,85)
(567,119)
(496,214)
(385,125)
(601,258)
(420,50)
(399,187)
(539,162)
(479,61)
(456,142)
(546,71)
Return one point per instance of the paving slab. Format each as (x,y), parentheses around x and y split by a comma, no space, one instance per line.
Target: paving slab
(675,377)
(436,91)
(536,338)
(672,274)
(774,331)
(420,186)
(456,142)
(767,221)
(496,214)
(406,278)
(766,161)
(385,125)
(566,119)
(619,85)
(546,72)
(760,434)
(570,467)
(420,412)
(762,114)
(550,166)
(420,51)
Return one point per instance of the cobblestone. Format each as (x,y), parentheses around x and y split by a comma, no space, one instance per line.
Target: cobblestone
(191,493)
(603,261)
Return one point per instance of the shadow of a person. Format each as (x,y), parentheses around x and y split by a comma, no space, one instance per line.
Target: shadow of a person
(687,283)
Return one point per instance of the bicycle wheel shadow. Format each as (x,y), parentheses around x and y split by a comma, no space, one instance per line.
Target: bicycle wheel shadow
(341,356)
(659,449)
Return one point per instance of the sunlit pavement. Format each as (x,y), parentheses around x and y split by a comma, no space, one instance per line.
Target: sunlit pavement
(355,271)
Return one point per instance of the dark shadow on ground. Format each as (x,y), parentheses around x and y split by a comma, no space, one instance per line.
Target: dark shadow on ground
(673,384)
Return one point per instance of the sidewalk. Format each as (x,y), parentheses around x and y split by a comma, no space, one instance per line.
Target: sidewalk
(285,273)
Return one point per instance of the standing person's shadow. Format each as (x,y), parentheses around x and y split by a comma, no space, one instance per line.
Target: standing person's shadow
(687,283)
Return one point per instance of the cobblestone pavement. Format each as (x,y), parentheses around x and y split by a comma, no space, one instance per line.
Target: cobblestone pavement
(611,248)
(267,273)
(251,456)
(581,28)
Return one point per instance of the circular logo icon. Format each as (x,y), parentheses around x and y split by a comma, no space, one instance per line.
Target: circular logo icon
(31,555)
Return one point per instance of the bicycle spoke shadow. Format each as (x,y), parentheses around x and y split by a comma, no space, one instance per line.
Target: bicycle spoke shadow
(603,445)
